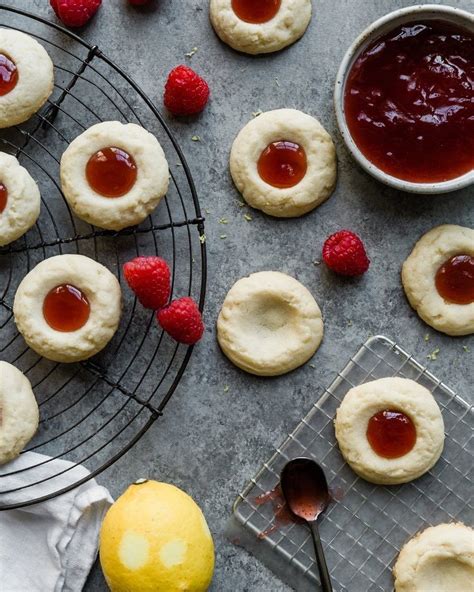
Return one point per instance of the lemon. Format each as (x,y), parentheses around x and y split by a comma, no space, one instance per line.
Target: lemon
(156,539)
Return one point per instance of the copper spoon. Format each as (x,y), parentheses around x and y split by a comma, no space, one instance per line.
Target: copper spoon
(305,489)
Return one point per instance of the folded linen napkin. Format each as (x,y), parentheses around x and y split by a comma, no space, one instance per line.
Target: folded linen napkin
(50,546)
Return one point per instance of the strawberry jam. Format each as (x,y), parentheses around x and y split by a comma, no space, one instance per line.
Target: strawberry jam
(409,102)
(282,164)
(256,11)
(8,75)
(455,280)
(111,172)
(66,308)
(3,197)
(391,434)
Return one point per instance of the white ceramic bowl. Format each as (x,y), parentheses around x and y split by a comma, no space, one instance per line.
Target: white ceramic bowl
(376,30)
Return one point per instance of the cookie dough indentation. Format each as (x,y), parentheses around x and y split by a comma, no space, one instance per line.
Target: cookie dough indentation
(455,279)
(283,164)
(8,75)
(254,12)
(66,308)
(111,172)
(391,433)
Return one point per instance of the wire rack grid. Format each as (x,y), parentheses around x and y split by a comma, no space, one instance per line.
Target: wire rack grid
(365,529)
(93,412)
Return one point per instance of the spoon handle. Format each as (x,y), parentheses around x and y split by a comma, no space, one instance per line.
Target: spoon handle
(321,559)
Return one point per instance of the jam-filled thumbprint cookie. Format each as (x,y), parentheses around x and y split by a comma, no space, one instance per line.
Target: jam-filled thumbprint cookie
(19,414)
(269,324)
(68,308)
(390,430)
(284,163)
(114,175)
(438,278)
(260,26)
(20,200)
(26,77)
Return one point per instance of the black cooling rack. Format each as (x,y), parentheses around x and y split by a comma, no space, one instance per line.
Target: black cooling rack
(93,412)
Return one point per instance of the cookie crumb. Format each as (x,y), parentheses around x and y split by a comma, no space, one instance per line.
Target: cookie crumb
(223,236)
(226,388)
(248,217)
(196,138)
(223,221)
(427,337)
(433,355)
(191,53)
(466,349)
(257,113)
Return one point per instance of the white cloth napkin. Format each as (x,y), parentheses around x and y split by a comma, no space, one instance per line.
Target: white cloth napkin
(50,546)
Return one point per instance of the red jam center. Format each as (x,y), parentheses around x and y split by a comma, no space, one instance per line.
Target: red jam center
(409,103)
(8,75)
(256,11)
(66,308)
(455,280)
(111,172)
(3,197)
(391,433)
(282,164)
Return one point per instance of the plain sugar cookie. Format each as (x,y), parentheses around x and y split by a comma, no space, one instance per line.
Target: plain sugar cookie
(439,559)
(390,430)
(68,308)
(438,278)
(114,175)
(19,414)
(284,163)
(27,80)
(269,324)
(262,26)
(20,200)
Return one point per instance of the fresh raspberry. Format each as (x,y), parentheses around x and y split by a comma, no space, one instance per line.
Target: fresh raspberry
(75,13)
(149,278)
(186,93)
(344,253)
(182,320)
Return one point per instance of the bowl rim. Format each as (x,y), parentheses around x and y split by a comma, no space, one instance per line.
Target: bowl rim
(368,35)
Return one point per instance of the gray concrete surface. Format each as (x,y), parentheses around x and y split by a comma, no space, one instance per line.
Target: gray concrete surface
(211,441)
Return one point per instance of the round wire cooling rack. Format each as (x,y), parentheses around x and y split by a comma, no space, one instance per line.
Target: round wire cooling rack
(93,412)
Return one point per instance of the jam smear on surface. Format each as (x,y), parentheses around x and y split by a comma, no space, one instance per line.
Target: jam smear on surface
(455,280)
(391,434)
(66,308)
(111,172)
(3,197)
(409,102)
(282,164)
(8,75)
(256,11)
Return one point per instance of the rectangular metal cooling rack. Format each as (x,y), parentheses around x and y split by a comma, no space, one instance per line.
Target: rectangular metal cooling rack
(364,531)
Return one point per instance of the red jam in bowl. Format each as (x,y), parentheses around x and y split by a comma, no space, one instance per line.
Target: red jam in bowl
(111,172)
(66,308)
(256,11)
(3,197)
(8,75)
(391,434)
(409,102)
(282,164)
(455,280)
